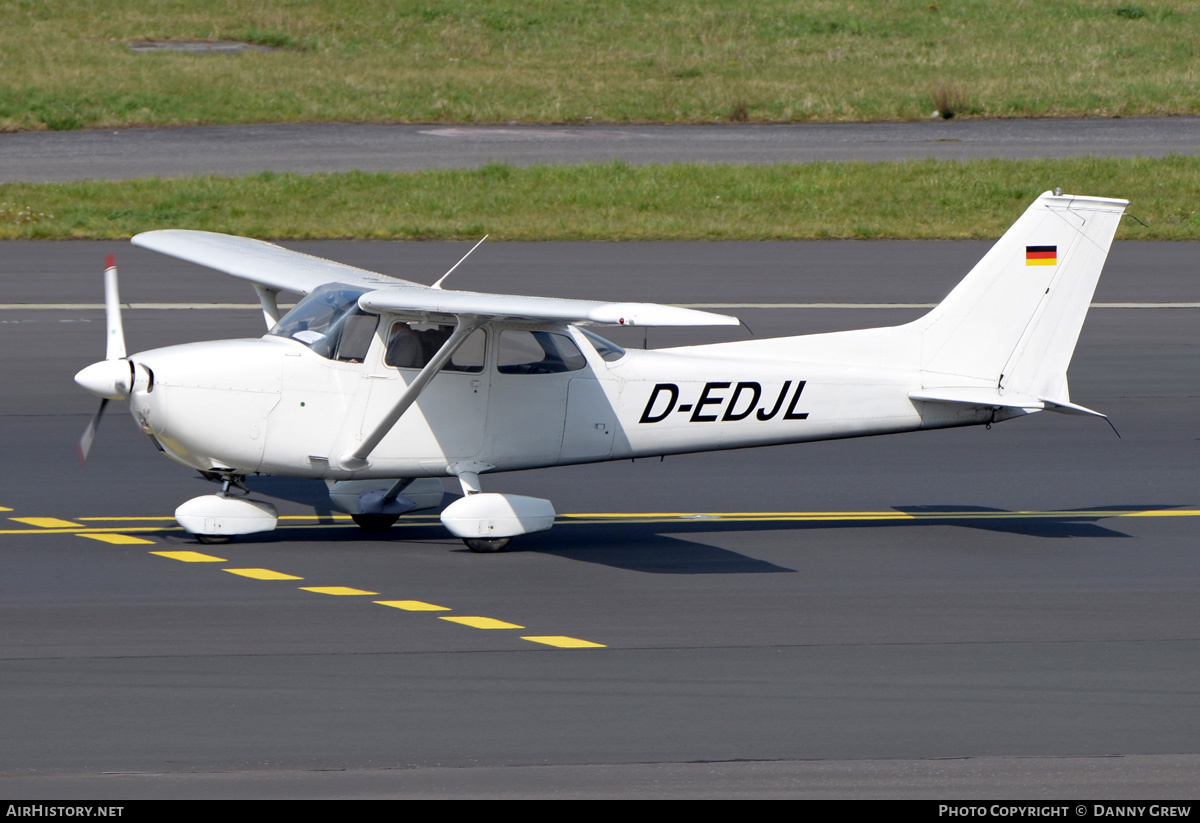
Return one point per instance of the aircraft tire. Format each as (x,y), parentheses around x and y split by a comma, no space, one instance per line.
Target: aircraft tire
(214,539)
(484,545)
(374,522)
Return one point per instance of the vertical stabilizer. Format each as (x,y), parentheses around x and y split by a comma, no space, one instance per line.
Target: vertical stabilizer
(1014,320)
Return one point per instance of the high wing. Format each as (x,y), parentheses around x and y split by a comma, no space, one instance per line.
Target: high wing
(275,268)
(423,300)
(262,263)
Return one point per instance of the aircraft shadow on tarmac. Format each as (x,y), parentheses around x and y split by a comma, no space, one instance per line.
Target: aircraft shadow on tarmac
(664,547)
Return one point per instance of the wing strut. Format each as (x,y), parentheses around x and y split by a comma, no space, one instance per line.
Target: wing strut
(268,299)
(357,460)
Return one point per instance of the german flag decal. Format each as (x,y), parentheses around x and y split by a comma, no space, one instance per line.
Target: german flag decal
(1041,255)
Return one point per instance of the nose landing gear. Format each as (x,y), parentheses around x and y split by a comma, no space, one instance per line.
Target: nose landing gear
(218,518)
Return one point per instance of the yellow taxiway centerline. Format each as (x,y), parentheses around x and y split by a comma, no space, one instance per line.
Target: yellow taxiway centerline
(51,525)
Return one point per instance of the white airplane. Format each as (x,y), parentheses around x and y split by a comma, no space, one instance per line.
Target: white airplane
(381,386)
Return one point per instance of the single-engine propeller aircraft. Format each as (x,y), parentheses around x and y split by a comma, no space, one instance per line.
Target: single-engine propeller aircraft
(381,386)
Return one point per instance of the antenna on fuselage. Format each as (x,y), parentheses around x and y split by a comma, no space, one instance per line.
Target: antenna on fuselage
(438,284)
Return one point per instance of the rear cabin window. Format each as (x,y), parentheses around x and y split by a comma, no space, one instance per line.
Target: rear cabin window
(537,352)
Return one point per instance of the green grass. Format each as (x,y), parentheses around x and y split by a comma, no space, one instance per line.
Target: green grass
(66,65)
(615,201)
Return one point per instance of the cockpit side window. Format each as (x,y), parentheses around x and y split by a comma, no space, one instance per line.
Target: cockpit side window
(413,345)
(537,352)
(358,330)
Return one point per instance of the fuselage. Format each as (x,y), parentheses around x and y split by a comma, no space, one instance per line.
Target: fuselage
(277,406)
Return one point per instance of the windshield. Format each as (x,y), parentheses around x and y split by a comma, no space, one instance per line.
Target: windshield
(329,321)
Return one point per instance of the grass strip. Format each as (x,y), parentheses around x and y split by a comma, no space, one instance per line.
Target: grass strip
(926,199)
(70,65)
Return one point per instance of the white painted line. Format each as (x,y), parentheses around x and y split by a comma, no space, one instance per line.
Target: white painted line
(257,307)
(907,305)
(132,306)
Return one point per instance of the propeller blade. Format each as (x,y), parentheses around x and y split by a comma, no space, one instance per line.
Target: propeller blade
(112,311)
(89,434)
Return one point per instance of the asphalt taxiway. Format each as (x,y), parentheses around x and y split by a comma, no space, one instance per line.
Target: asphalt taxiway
(101,154)
(962,613)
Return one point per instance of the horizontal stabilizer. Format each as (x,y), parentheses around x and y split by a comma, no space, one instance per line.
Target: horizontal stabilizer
(1063,407)
(987,398)
(978,396)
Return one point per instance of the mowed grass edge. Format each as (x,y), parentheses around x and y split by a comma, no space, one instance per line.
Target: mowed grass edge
(926,199)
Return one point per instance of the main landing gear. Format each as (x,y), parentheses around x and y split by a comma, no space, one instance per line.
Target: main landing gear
(487,522)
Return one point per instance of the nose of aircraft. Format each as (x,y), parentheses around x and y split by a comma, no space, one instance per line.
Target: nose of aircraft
(110,379)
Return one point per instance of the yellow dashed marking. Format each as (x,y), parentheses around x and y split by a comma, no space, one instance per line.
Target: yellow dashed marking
(565,642)
(191,557)
(5,509)
(88,530)
(482,622)
(263,574)
(48,522)
(412,605)
(128,519)
(338,590)
(118,539)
